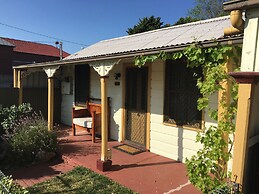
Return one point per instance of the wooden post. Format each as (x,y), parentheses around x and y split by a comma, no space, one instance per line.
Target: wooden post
(103,68)
(50,102)
(19,84)
(15,77)
(104,119)
(245,121)
(104,164)
(241,134)
(50,71)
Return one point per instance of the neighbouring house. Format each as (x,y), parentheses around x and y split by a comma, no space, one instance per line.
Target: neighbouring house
(154,106)
(19,52)
(6,50)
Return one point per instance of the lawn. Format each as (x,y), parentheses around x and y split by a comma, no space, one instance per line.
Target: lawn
(79,180)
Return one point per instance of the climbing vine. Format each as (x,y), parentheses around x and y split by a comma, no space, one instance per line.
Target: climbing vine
(207,169)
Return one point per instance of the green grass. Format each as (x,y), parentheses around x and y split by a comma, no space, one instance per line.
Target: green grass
(79,180)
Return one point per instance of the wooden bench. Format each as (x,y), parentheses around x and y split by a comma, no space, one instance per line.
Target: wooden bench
(88,117)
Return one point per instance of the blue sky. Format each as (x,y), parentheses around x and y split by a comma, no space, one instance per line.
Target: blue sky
(83,21)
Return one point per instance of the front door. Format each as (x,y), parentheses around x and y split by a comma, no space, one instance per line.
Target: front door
(136,105)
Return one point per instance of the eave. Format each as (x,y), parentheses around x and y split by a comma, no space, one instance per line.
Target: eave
(240,4)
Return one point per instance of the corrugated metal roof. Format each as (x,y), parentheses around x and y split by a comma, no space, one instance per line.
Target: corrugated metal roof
(171,36)
(23,46)
(5,43)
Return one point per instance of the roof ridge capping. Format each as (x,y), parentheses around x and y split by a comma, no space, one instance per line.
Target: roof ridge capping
(27,41)
(171,27)
(4,42)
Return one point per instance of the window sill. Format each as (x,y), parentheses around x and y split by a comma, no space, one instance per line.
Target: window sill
(81,104)
(182,126)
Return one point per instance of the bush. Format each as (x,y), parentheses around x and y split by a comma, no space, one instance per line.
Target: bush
(7,185)
(9,116)
(29,139)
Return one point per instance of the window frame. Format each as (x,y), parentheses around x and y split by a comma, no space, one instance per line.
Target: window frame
(167,76)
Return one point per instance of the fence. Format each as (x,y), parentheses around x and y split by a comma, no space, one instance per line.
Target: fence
(37,97)
(8,96)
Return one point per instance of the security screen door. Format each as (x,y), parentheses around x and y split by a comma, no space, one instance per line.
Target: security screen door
(136,104)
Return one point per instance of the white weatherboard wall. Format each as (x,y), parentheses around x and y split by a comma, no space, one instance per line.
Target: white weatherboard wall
(67,99)
(169,141)
(115,92)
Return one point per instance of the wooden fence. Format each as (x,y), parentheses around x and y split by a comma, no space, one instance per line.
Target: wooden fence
(37,97)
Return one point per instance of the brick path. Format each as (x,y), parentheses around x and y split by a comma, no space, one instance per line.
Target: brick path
(145,172)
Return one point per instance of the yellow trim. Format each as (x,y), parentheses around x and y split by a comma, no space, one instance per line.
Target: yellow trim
(225,95)
(148,124)
(80,107)
(50,102)
(241,134)
(175,125)
(104,118)
(19,79)
(15,78)
(19,84)
(123,112)
(131,65)
(183,127)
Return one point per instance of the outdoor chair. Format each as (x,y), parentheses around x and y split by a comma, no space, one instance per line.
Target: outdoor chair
(88,118)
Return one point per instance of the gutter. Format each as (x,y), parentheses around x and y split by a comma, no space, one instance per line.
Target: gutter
(237,23)
(240,4)
(229,41)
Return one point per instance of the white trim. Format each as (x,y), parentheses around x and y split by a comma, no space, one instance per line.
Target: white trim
(50,71)
(103,67)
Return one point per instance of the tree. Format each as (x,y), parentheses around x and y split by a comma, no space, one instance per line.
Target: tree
(146,24)
(206,9)
(185,20)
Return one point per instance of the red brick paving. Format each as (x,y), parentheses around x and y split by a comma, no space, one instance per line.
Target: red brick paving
(145,173)
(28,176)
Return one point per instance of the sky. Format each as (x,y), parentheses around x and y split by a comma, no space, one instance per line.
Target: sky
(84,22)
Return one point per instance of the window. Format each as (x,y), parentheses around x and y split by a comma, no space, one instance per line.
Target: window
(181,95)
(82,83)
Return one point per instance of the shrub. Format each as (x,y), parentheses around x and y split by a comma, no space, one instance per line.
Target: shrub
(9,116)
(29,138)
(7,185)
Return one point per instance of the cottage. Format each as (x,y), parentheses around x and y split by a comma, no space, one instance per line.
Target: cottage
(153,107)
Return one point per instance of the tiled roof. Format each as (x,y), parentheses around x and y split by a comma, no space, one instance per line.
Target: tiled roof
(202,31)
(34,48)
(5,43)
